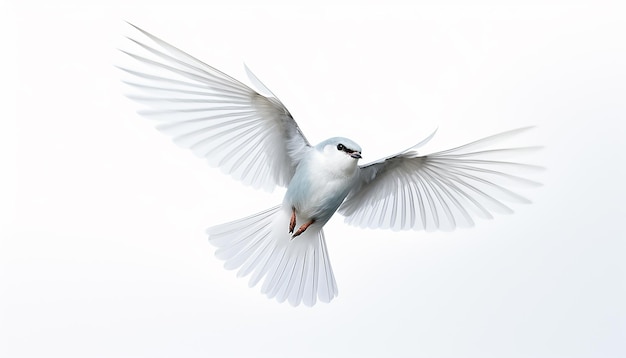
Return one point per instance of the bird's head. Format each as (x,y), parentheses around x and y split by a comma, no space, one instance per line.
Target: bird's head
(342,153)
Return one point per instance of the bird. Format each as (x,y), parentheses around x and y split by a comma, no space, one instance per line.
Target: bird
(250,135)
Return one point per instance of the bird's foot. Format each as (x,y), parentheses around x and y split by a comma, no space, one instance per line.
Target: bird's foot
(303,228)
(292,222)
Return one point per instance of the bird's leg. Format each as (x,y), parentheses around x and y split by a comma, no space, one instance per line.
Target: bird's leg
(303,228)
(292,222)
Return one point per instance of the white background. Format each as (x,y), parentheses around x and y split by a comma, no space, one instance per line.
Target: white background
(103,251)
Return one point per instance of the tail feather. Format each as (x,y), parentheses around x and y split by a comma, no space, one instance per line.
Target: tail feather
(296,270)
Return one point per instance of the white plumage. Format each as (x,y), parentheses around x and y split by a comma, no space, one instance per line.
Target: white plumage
(298,270)
(254,138)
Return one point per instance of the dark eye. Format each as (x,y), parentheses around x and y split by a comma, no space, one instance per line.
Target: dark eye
(340,146)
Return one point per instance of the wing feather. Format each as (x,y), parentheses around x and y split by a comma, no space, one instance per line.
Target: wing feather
(439,191)
(249,136)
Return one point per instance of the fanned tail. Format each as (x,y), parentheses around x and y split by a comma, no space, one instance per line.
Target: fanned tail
(296,270)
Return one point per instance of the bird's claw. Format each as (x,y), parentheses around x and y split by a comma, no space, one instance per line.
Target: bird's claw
(302,229)
(292,222)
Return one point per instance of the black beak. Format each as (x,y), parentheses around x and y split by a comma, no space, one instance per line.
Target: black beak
(356,155)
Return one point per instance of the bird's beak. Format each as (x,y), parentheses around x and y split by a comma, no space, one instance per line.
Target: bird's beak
(356,155)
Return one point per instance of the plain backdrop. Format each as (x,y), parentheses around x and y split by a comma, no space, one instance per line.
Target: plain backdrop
(102,218)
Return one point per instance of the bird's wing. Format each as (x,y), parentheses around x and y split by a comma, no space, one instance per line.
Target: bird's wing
(438,191)
(252,137)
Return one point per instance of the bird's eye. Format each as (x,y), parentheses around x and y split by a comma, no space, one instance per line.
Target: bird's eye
(340,146)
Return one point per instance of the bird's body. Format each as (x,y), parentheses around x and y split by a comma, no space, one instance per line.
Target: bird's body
(255,139)
(322,181)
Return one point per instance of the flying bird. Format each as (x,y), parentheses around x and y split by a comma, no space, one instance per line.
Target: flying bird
(254,138)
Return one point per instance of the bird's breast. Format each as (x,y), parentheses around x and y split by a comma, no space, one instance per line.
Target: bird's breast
(316,192)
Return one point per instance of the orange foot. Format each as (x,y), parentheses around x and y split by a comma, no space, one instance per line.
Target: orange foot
(303,228)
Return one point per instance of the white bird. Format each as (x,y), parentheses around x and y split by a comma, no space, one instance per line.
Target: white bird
(254,138)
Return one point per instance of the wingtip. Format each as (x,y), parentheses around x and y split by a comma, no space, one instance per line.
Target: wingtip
(256,82)
(520,130)
(146,33)
(133,25)
(422,142)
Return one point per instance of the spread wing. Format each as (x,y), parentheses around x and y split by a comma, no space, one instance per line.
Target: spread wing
(438,191)
(252,137)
